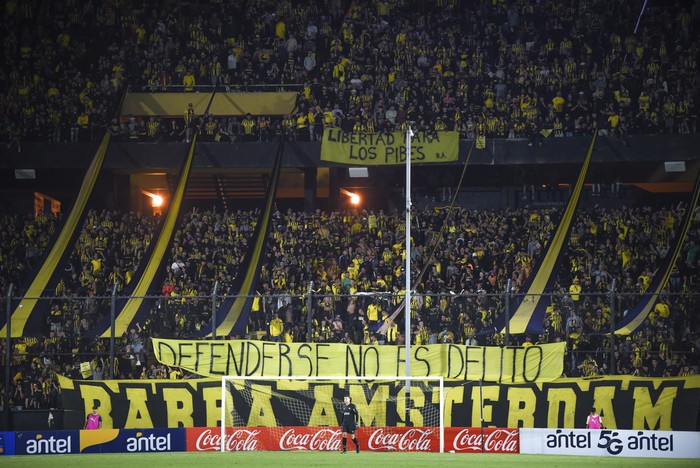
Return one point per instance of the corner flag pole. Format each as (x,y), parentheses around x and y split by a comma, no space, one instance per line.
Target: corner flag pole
(407,299)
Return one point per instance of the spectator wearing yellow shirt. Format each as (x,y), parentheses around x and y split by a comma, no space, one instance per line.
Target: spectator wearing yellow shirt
(446,336)
(276,329)
(662,309)
(189,81)
(372,313)
(558,103)
(302,126)
(575,290)
(83,122)
(248,127)
(281,30)
(392,332)
(421,334)
(96,265)
(613,121)
(189,115)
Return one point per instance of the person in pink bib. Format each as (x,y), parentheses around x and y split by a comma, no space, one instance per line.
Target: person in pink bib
(94,420)
(594,421)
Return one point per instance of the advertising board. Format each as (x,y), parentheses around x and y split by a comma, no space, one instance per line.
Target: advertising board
(606,442)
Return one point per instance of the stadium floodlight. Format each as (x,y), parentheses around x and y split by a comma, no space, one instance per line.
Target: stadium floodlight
(276,405)
(156,200)
(354,197)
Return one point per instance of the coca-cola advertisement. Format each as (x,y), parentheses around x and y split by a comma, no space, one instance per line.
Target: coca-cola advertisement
(401,439)
(208,439)
(310,438)
(376,439)
(486,440)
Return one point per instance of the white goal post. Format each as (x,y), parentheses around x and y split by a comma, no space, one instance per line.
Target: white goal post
(248,402)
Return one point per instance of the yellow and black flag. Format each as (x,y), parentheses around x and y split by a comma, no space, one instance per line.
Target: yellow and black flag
(28,317)
(232,315)
(134,308)
(530,309)
(146,280)
(638,314)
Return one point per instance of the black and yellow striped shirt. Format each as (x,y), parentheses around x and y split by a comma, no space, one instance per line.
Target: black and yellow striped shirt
(248,125)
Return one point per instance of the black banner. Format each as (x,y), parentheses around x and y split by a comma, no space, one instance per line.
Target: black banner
(623,402)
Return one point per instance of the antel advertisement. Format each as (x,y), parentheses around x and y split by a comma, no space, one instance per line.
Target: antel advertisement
(132,440)
(47,442)
(7,443)
(605,442)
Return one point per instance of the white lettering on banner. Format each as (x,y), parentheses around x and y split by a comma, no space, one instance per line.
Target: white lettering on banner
(323,439)
(151,443)
(500,440)
(413,440)
(606,442)
(239,440)
(48,446)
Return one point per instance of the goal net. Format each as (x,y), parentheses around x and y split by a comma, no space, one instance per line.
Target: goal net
(303,413)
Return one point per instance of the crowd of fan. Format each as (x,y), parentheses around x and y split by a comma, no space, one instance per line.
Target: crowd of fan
(22,242)
(108,251)
(355,262)
(501,69)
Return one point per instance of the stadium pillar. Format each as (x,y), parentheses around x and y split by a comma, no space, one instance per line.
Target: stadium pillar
(8,357)
(310,189)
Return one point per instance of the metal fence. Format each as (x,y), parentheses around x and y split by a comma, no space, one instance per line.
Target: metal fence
(585,320)
(221,87)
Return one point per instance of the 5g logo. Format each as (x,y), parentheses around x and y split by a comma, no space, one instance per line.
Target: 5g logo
(608,440)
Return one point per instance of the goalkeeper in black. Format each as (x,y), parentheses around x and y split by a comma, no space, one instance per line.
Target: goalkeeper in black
(348,422)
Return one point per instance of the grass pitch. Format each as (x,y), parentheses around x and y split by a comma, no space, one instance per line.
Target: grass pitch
(312,459)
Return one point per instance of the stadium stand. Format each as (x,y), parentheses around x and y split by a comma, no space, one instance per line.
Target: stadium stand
(503,69)
(494,68)
(458,297)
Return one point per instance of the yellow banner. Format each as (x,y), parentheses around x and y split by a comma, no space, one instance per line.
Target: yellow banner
(382,149)
(539,363)
(175,104)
